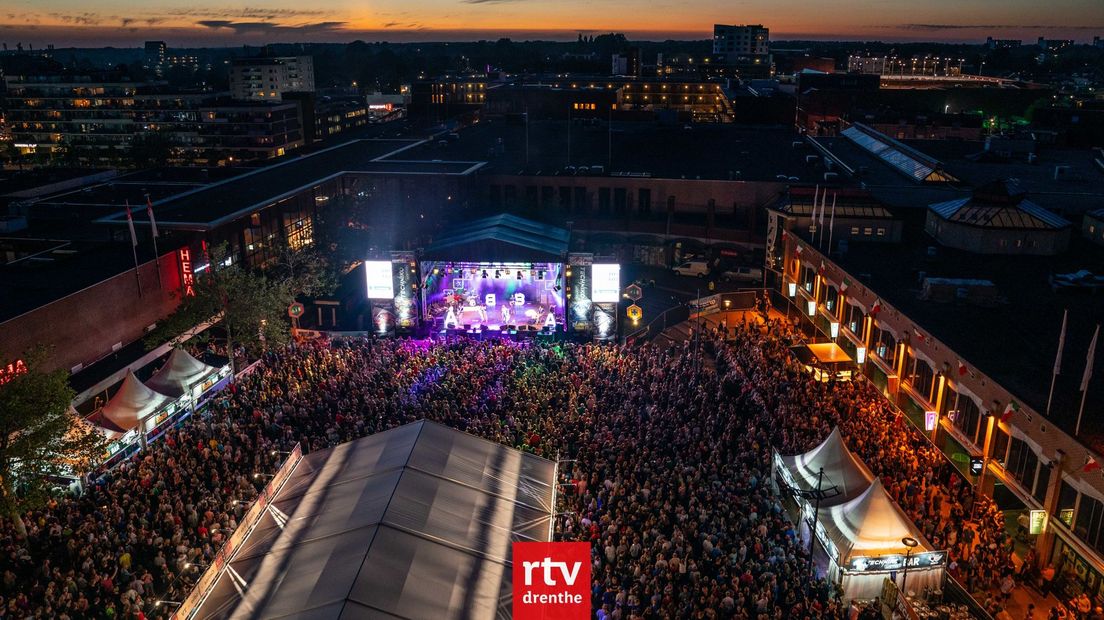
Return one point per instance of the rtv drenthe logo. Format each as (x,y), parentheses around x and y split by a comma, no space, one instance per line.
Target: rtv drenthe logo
(551,581)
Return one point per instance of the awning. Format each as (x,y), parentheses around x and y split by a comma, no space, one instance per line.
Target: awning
(821,354)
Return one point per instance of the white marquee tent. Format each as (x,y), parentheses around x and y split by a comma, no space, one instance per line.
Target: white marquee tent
(132,404)
(180,372)
(842,470)
(863,538)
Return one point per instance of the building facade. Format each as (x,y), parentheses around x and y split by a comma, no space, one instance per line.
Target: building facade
(734,43)
(267,79)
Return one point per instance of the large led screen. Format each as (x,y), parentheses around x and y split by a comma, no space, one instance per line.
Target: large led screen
(494,296)
(605,283)
(378,275)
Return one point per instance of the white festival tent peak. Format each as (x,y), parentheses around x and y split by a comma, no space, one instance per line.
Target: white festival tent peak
(842,469)
(133,403)
(870,525)
(178,374)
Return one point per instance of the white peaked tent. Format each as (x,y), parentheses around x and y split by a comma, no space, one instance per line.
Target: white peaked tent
(132,404)
(180,372)
(863,537)
(842,470)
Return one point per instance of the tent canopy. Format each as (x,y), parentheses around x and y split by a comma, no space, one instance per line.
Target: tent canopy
(180,372)
(133,403)
(414,522)
(842,470)
(870,525)
(821,353)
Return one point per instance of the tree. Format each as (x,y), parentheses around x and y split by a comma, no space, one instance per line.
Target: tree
(40,435)
(251,306)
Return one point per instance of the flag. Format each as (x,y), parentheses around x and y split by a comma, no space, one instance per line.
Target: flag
(846,285)
(962,369)
(1089,361)
(876,308)
(130,224)
(1090,465)
(149,212)
(832,219)
(919,336)
(816,194)
(1010,409)
(1061,344)
(823,205)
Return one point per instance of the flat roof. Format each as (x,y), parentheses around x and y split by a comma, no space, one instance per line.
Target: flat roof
(1014,342)
(821,353)
(218,203)
(705,151)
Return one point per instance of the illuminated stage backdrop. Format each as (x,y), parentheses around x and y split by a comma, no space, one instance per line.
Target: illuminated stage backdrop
(493,296)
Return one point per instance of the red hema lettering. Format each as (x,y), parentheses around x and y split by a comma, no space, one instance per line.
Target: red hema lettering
(551,581)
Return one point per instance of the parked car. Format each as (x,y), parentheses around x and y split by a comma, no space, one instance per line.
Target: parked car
(698,268)
(743,274)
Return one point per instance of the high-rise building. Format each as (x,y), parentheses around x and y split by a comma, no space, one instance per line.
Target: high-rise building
(626,63)
(268,78)
(735,43)
(155,56)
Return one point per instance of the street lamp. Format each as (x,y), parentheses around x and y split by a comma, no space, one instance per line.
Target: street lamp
(911,543)
(833,329)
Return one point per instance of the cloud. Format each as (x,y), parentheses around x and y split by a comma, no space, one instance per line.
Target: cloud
(931,27)
(246,13)
(80,19)
(247,28)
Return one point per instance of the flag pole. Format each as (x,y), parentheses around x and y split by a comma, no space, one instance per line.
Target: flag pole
(134,248)
(832,223)
(156,254)
(1057,361)
(1085,379)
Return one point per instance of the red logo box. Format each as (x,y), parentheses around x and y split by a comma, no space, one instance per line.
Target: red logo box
(551,581)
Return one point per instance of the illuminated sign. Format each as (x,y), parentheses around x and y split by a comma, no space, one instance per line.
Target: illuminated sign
(12,370)
(976,464)
(931,418)
(930,559)
(1038,521)
(187,274)
(1066,515)
(605,283)
(378,276)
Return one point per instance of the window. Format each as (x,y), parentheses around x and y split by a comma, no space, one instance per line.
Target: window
(999,445)
(1067,501)
(831,297)
(881,232)
(885,345)
(644,201)
(855,230)
(868,231)
(855,319)
(604,200)
(1022,463)
(1041,483)
(1088,520)
(923,378)
(968,419)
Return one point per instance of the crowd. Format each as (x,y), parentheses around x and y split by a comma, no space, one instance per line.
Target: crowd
(668,477)
(800,413)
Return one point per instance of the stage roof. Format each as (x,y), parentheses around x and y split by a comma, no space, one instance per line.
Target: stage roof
(414,522)
(821,353)
(501,238)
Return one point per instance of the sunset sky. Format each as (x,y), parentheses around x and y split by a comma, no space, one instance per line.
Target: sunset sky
(127,23)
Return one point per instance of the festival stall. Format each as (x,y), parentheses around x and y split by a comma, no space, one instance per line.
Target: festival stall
(825,361)
(865,541)
(187,380)
(844,476)
(132,411)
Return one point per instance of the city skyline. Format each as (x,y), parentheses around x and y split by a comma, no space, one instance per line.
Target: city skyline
(66,23)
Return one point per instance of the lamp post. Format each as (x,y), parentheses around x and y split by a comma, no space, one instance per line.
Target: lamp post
(911,543)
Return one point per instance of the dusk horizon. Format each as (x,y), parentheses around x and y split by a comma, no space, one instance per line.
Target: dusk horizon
(68,23)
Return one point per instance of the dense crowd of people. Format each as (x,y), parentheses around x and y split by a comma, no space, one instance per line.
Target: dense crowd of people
(669,475)
(800,414)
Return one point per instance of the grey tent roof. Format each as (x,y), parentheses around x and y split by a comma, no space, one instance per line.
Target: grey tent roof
(180,372)
(414,522)
(1000,204)
(842,469)
(519,238)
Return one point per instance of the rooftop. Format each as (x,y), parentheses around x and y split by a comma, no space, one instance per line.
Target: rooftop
(698,151)
(212,205)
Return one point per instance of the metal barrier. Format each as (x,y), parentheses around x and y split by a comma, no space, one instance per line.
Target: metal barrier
(955,592)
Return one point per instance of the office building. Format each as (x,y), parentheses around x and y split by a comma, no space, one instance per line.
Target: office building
(155,56)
